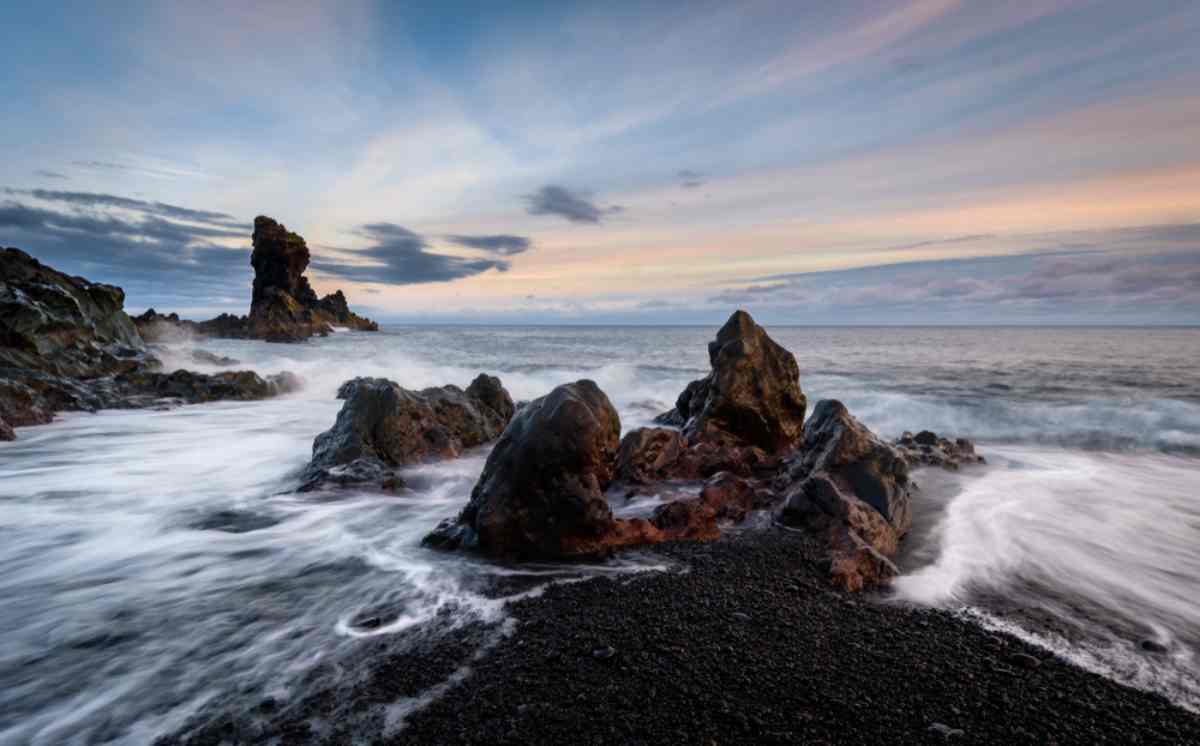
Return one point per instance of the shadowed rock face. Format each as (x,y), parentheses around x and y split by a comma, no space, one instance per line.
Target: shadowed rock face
(652,454)
(383,426)
(63,325)
(850,486)
(752,394)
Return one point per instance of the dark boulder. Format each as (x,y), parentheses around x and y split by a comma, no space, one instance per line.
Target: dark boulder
(541,493)
(383,426)
(752,394)
(649,454)
(852,488)
(6,431)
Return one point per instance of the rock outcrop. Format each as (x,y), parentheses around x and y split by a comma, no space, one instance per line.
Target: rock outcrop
(383,426)
(851,488)
(66,344)
(752,394)
(927,448)
(283,305)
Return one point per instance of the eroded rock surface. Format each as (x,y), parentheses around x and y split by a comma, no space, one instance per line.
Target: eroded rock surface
(383,426)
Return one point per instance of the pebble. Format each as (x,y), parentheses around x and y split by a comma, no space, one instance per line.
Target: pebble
(604,653)
(1024,660)
(945,731)
(1150,646)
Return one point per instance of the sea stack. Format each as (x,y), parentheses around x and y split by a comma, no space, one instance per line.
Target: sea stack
(283,305)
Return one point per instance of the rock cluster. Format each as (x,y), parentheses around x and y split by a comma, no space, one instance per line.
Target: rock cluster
(382,426)
(283,305)
(66,344)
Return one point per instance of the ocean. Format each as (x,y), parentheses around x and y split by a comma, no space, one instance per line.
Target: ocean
(156,565)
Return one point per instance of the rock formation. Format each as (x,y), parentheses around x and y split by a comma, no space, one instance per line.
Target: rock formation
(67,344)
(283,305)
(383,426)
(850,487)
(541,494)
(654,454)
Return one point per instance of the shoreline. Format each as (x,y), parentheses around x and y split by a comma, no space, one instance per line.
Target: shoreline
(748,644)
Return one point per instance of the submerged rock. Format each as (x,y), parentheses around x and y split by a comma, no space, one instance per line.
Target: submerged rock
(382,426)
(927,448)
(752,394)
(851,487)
(193,388)
(6,431)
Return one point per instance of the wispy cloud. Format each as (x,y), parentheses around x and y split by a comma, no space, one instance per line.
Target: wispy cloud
(48,174)
(497,244)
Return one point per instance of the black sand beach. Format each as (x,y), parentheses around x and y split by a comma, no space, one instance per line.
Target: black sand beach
(748,644)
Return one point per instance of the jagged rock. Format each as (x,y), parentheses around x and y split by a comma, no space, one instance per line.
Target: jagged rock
(724,498)
(852,488)
(927,448)
(382,426)
(752,394)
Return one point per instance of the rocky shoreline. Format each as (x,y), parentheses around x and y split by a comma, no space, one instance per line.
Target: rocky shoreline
(66,343)
(744,642)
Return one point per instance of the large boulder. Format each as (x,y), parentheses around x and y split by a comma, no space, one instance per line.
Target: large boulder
(383,426)
(541,493)
(852,488)
(752,394)
(195,388)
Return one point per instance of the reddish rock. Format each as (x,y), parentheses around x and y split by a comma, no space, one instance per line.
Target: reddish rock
(655,454)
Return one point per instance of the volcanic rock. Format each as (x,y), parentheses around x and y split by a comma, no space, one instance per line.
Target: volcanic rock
(752,394)
(6,431)
(851,487)
(382,426)
(653,454)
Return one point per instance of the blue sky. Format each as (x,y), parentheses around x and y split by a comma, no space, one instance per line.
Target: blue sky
(930,161)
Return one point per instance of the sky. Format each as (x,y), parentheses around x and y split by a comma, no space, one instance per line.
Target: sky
(901,162)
